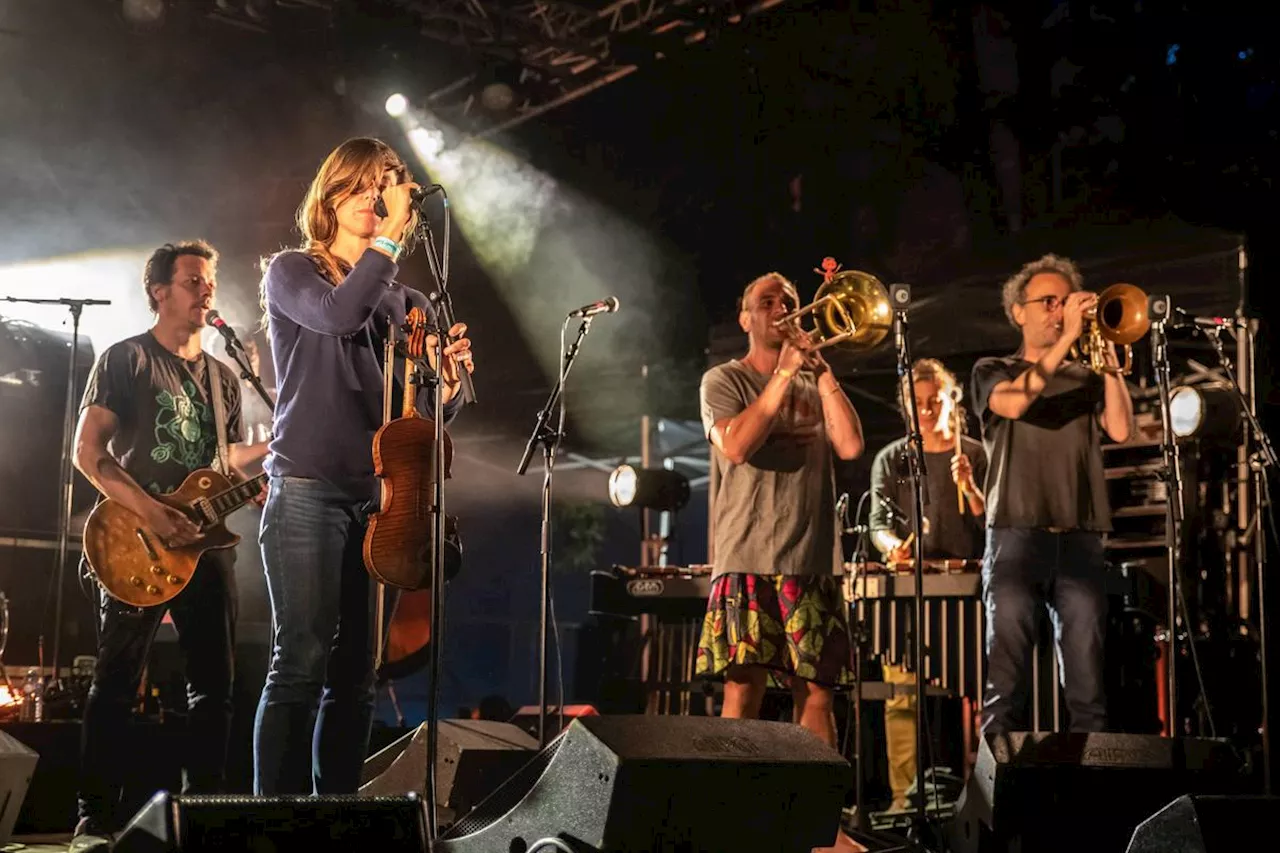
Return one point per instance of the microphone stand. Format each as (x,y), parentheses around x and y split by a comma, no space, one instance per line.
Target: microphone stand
(444,321)
(235,349)
(67,470)
(858,565)
(549,437)
(917,833)
(1172,476)
(1261,462)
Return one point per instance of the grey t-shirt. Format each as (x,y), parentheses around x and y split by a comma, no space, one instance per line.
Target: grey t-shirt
(948,534)
(1045,467)
(774,514)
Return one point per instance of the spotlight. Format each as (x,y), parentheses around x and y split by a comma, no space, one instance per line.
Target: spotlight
(1207,413)
(650,488)
(397,105)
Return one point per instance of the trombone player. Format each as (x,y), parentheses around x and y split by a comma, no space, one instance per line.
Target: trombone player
(1043,419)
(774,418)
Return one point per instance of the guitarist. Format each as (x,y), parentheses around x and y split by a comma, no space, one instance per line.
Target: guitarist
(147,420)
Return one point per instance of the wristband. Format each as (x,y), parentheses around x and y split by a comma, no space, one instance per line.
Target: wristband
(784,373)
(389,245)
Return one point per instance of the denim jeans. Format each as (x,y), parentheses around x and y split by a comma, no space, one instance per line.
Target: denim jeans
(1023,571)
(312,729)
(204,615)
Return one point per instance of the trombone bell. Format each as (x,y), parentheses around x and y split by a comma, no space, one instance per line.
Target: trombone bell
(851,310)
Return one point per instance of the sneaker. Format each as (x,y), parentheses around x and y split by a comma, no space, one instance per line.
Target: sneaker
(90,838)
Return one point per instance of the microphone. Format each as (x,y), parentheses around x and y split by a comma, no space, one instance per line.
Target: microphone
(894,509)
(1184,320)
(215,320)
(842,507)
(605,306)
(418,196)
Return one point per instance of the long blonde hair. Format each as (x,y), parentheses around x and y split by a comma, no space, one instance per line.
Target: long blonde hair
(349,167)
(950,392)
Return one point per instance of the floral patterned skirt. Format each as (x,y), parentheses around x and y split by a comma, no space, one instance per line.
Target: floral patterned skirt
(791,624)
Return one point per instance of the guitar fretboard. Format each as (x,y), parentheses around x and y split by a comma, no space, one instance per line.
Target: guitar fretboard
(225,503)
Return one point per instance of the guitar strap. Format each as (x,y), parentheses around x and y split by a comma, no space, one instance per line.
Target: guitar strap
(214,377)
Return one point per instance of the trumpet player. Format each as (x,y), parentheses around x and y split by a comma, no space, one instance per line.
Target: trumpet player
(774,419)
(1043,419)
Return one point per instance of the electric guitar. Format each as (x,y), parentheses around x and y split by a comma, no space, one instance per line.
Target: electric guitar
(134,565)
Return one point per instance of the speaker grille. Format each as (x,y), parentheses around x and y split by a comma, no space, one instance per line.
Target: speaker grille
(508,795)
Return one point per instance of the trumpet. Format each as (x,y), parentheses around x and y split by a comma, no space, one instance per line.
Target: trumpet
(850,310)
(1120,317)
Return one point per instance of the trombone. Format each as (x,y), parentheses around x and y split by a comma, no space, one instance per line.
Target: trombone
(1120,317)
(850,310)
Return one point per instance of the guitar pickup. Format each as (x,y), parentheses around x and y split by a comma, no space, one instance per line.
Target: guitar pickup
(146,543)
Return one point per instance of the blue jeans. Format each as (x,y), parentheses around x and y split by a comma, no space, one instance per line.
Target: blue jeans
(1023,571)
(311,734)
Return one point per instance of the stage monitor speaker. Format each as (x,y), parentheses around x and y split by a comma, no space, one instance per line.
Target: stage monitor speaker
(1076,791)
(17,766)
(640,783)
(1209,824)
(170,823)
(473,757)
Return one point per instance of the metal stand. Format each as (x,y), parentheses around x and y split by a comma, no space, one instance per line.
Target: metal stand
(66,473)
(918,833)
(1261,461)
(241,358)
(549,437)
(1172,476)
(443,304)
(856,638)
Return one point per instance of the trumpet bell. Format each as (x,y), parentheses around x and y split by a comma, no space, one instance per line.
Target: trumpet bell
(1122,314)
(1121,318)
(850,310)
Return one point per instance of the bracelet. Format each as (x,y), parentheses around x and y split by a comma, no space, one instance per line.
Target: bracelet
(825,394)
(391,246)
(784,373)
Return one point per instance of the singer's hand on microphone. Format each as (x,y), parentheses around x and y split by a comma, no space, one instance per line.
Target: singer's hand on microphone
(399,203)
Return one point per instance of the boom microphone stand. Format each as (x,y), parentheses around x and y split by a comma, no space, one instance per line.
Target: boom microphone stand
(1262,461)
(549,437)
(444,321)
(918,831)
(66,474)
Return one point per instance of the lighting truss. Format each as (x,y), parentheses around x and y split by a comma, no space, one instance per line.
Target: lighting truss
(566,50)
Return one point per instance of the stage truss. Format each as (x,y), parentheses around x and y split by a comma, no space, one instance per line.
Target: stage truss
(543,55)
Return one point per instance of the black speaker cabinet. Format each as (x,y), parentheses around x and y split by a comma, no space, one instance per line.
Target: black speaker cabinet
(633,783)
(473,757)
(1076,791)
(1210,824)
(17,766)
(170,823)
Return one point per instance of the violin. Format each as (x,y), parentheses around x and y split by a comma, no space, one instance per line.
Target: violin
(398,542)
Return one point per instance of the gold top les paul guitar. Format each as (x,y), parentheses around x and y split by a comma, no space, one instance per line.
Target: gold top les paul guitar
(134,565)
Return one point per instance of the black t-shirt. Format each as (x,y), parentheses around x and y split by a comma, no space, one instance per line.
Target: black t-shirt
(165,410)
(1045,467)
(948,534)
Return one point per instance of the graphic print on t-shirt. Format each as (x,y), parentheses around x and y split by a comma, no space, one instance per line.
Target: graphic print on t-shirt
(180,431)
(798,422)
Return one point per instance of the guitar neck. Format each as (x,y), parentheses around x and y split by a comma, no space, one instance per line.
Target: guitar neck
(227,502)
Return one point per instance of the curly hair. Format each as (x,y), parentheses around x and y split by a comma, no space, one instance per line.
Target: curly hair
(159,268)
(1016,287)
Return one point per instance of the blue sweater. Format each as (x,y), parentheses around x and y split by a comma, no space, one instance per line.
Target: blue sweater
(327,345)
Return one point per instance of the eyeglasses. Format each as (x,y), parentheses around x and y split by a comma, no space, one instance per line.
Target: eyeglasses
(1051,303)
